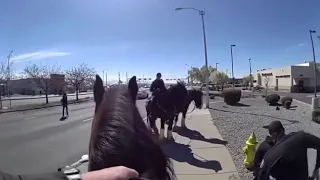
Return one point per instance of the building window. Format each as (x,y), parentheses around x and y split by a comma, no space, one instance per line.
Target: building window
(266,74)
(283,76)
(254,81)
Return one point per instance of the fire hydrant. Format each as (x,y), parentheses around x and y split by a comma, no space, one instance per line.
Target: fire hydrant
(249,151)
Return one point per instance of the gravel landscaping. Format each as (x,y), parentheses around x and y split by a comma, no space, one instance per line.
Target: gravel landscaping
(236,123)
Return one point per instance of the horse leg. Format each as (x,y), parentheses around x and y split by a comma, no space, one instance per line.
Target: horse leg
(169,132)
(176,118)
(153,124)
(163,121)
(183,120)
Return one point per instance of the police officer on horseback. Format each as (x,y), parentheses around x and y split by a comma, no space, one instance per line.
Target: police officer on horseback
(158,88)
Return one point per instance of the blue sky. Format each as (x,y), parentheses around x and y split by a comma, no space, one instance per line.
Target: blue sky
(147,36)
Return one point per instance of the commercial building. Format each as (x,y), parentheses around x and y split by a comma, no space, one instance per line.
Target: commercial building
(27,86)
(294,78)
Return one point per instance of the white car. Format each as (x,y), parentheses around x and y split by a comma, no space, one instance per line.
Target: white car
(142,94)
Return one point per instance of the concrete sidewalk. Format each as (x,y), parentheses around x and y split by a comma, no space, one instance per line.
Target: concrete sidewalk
(199,151)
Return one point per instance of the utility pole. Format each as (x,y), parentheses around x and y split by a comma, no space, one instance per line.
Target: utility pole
(8,78)
(232,66)
(250,75)
(314,62)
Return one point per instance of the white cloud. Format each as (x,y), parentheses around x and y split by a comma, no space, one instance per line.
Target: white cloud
(38,55)
(301,44)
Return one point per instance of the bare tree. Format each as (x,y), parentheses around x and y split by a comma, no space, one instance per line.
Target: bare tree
(267,80)
(77,76)
(41,76)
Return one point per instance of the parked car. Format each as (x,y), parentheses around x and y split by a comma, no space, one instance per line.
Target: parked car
(142,95)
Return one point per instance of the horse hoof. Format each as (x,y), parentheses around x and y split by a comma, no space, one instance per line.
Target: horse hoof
(170,139)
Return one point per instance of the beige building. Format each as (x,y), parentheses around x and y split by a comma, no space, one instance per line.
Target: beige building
(295,78)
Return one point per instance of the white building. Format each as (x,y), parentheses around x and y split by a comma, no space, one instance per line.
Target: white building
(290,78)
(167,81)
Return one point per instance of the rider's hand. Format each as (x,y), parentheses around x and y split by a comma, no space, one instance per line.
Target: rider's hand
(113,173)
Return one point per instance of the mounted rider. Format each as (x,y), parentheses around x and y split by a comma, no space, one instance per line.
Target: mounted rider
(158,89)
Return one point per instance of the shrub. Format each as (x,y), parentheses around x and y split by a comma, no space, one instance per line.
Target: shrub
(286,102)
(273,99)
(231,97)
(287,98)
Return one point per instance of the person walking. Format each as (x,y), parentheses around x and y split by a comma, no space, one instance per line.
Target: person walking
(64,102)
(287,159)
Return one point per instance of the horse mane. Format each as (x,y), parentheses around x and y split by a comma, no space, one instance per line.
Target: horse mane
(119,136)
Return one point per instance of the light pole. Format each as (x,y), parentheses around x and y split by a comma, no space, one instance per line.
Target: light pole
(250,78)
(314,61)
(102,78)
(217,66)
(107,78)
(232,65)
(202,13)
(8,78)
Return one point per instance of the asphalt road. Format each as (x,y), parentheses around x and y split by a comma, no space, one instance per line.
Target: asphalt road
(17,101)
(36,141)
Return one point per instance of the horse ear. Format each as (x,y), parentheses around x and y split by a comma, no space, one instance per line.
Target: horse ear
(98,91)
(133,88)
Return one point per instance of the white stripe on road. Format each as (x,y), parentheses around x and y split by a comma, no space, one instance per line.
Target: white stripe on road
(87,120)
(29,118)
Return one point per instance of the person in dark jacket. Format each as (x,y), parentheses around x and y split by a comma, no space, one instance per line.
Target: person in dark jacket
(113,173)
(287,159)
(258,157)
(158,89)
(64,102)
(158,85)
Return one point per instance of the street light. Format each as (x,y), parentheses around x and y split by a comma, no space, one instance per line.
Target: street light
(217,66)
(8,78)
(232,65)
(314,61)
(250,78)
(202,13)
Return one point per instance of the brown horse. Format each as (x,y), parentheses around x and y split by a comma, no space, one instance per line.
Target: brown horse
(120,137)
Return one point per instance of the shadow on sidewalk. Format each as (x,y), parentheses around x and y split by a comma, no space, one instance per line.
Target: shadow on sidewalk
(182,153)
(195,135)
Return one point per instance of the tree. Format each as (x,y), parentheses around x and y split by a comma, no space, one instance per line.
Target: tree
(77,76)
(267,80)
(199,73)
(41,75)
(247,80)
(218,77)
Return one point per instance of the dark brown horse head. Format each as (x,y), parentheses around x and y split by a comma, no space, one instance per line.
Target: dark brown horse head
(119,136)
(196,96)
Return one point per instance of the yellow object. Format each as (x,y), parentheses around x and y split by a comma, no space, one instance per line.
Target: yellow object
(249,150)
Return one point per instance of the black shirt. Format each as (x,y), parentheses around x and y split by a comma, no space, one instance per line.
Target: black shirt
(157,83)
(261,151)
(287,159)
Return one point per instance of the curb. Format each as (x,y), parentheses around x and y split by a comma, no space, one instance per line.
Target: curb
(302,102)
(43,107)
